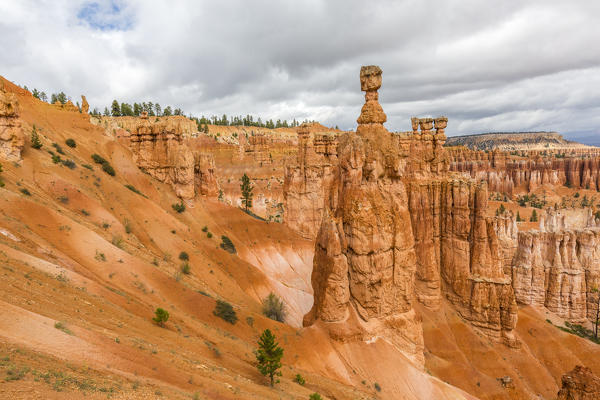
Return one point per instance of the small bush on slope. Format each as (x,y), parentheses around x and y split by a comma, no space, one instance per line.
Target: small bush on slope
(225,311)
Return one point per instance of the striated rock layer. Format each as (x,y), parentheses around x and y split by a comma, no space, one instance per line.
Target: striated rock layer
(397,226)
(12,138)
(560,271)
(505,172)
(159,149)
(579,384)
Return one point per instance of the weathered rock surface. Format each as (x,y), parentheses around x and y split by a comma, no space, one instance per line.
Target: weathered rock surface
(85,107)
(579,384)
(396,227)
(159,149)
(558,270)
(307,181)
(505,172)
(12,138)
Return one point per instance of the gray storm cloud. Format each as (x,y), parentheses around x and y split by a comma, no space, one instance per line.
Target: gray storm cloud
(488,66)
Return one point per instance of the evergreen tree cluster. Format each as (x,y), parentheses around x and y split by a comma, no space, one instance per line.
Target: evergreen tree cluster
(127,110)
(248,120)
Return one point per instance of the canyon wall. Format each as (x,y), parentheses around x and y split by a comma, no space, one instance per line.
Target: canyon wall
(398,227)
(12,137)
(159,149)
(505,172)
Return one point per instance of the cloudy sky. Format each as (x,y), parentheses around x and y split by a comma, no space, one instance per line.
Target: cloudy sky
(487,65)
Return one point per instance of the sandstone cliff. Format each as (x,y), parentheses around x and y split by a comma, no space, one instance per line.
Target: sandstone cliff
(159,149)
(579,384)
(11,132)
(397,227)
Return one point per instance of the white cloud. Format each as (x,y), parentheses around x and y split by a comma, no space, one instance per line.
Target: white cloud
(507,65)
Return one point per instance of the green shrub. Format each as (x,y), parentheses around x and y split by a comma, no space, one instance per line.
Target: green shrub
(62,327)
(56,159)
(299,379)
(225,311)
(58,148)
(377,387)
(185,268)
(133,189)
(227,245)
(273,308)
(98,159)
(25,192)
(106,167)
(161,316)
(88,166)
(69,164)
(179,207)
(183,256)
(315,396)
(205,229)
(209,235)
(70,143)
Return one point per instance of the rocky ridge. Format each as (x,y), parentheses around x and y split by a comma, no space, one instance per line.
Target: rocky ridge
(510,141)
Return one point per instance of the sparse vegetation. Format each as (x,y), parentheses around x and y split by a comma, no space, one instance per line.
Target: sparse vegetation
(100,256)
(25,191)
(134,190)
(62,327)
(69,164)
(273,307)
(209,235)
(71,143)
(269,356)
(117,241)
(299,379)
(179,207)
(183,256)
(106,167)
(59,149)
(225,311)
(88,166)
(227,245)
(315,396)
(161,316)
(377,387)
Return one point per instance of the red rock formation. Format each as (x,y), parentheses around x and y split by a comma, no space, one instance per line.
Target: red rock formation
(505,172)
(307,181)
(559,270)
(397,226)
(579,384)
(12,138)
(85,107)
(258,147)
(159,149)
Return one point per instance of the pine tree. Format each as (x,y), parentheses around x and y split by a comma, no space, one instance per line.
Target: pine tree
(115,109)
(106,112)
(35,139)
(519,217)
(269,355)
(534,216)
(246,187)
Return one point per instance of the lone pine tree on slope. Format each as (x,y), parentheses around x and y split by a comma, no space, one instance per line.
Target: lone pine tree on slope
(269,355)
(246,187)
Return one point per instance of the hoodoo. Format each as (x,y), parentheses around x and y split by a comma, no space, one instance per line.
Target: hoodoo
(397,227)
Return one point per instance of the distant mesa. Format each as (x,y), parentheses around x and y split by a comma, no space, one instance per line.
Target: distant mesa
(515,141)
